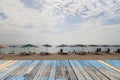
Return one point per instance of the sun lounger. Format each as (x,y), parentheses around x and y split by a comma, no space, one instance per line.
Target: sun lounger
(11,53)
(98,51)
(63,53)
(34,53)
(24,53)
(80,53)
(118,51)
(44,53)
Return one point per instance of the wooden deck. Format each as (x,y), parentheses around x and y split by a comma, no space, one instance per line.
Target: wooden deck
(59,70)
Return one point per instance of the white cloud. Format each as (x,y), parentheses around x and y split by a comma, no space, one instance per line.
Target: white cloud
(53,12)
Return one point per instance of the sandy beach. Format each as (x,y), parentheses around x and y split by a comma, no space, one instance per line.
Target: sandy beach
(61,57)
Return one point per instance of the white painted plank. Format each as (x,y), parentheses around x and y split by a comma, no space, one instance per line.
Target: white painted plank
(77,72)
(106,71)
(85,74)
(53,70)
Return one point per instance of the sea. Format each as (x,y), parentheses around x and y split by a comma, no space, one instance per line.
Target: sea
(53,49)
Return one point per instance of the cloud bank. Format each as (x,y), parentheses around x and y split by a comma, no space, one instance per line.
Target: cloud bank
(60,21)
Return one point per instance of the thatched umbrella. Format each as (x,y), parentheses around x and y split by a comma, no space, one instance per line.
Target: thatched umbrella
(72,46)
(13,46)
(47,46)
(27,46)
(62,46)
(116,46)
(80,45)
(105,46)
(93,46)
(1,46)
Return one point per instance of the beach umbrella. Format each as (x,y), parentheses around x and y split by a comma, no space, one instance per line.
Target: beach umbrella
(105,46)
(72,47)
(13,46)
(1,46)
(62,46)
(93,46)
(47,46)
(116,46)
(28,45)
(80,45)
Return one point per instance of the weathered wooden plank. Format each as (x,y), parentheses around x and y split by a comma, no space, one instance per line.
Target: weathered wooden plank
(71,71)
(34,71)
(19,75)
(40,71)
(95,71)
(94,76)
(77,72)
(115,63)
(65,73)
(58,74)
(53,70)
(16,74)
(85,74)
(105,70)
(11,71)
(5,69)
(30,68)
(2,66)
(45,75)
(3,61)
(58,70)
(25,71)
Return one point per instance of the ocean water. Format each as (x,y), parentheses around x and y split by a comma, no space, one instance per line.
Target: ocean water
(53,49)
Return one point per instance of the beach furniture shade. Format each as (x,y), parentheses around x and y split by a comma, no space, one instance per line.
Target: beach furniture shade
(105,46)
(72,47)
(28,45)
(62,45)
(116,46)
(47,46)
(13,46)
(80,45)
(93,46)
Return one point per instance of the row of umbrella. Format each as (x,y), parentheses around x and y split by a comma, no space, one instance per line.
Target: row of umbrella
(62,46)
(25,46)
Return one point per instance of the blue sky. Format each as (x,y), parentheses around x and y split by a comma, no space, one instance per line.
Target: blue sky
(60,21)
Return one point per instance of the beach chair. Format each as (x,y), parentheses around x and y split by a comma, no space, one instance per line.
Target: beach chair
(118,50)
(80,53)
(108,52)
(11,53)
(44,53)
(24,53)
(98,51)
(33,53)
(62,53)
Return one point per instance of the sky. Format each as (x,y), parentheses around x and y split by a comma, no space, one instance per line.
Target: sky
(60,21)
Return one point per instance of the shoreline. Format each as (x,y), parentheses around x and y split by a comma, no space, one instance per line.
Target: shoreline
(61,57)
